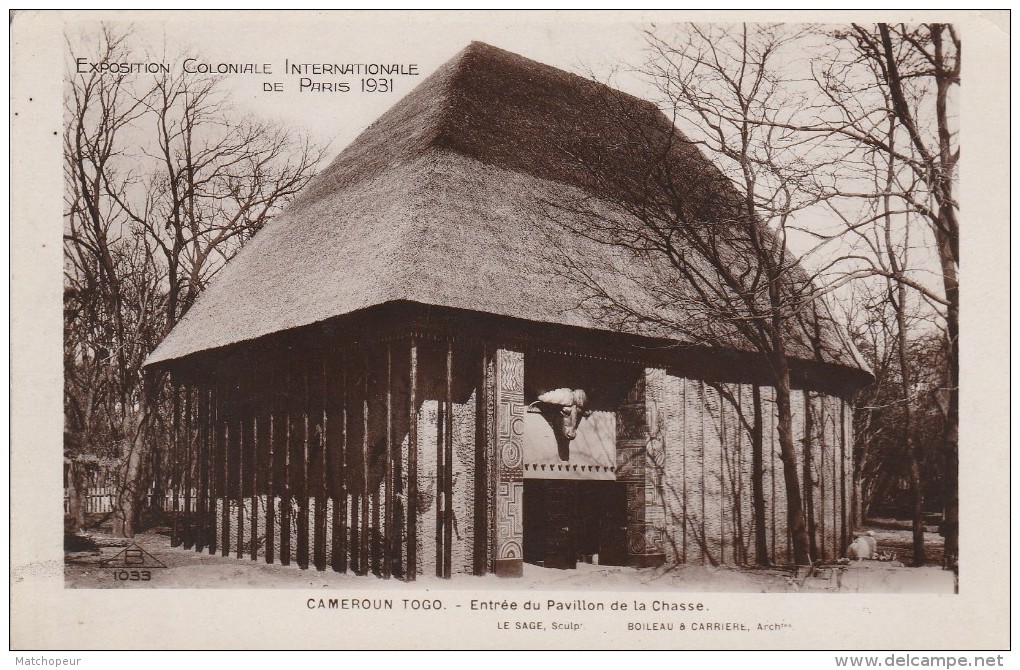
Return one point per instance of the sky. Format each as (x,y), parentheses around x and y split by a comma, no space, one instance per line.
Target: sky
(606,50)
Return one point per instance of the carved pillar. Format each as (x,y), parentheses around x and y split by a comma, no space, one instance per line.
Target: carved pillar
(509,455)
(640,457)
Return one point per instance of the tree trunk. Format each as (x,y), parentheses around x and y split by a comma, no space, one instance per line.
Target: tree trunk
(75,498)
(134,486)
(909,443)
(857,491)
(809,480)
(788,455)
(761,549)
(948,237)
(951,522)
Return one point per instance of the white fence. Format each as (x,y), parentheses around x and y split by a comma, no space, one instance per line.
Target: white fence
(101,499)
(98,499)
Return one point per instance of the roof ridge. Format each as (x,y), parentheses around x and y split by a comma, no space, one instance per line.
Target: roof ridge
(411,126)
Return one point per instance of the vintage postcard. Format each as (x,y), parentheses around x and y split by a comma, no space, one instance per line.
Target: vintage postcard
(509,330)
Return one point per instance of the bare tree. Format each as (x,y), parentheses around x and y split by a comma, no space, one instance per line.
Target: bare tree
(707,243)
(163,184)
(880,417)
(102,313)
(215,181)
(891,89)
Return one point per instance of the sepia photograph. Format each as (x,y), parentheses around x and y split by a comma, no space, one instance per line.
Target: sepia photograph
(588,328)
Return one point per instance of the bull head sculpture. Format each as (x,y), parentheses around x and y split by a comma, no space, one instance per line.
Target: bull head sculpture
(563,409)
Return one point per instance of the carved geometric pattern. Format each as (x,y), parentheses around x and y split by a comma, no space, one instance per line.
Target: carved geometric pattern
(630,463)
(512,549)
(491,458)
(645,538)
(510,414)
(511,446)
(635,540)
(511,417)
(510,519)
(640,459)
(510,409)
(511,371)
(510,455)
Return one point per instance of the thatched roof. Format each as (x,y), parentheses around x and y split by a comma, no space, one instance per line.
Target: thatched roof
(445,200)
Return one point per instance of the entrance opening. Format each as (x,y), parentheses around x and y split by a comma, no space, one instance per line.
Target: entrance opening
(567,522)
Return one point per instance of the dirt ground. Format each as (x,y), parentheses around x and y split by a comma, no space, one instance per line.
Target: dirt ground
(895,535)
(105,565)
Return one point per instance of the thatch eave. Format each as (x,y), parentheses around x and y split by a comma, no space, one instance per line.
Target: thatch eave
(441,202)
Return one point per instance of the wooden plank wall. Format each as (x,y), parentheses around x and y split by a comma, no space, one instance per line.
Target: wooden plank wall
(378,460)
(708,491)
(334,460)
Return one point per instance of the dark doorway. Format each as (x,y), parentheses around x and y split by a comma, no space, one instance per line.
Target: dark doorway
(569,521)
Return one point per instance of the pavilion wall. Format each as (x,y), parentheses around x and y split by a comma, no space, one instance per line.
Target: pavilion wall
(706,479)
(342,459)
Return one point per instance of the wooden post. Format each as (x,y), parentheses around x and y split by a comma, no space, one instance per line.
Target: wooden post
(366,536)
(224,494)
(722,475)
(836,509)
(285,476)
(215,446)
(355,526)
(772,473)
(375,498)
(481,469)
(376,535)
(492,456)
(189,460)
(508,383)
(412,467)
(302,529)
(844,536)
(683,450)
(448,467)
(271,471)
(323,490)
(639,447)
(254,543)
(355,513)
(823,526)
(204,448)
(240,480)
(175,467)
(341,561)
(388,521)
(211,539)
(333,467)
(440,486)
(336,461)
(702,410)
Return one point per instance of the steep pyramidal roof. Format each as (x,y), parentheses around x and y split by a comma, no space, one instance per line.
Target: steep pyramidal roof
(442,202)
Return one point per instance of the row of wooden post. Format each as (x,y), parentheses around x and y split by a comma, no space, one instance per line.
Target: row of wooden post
(203,419)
